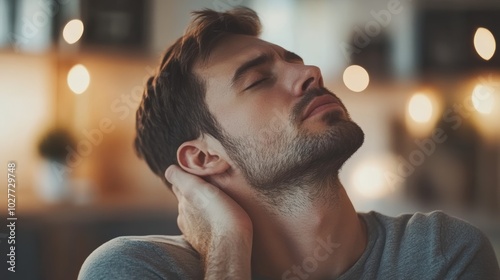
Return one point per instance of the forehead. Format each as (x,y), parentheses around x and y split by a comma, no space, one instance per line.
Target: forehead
(230,52)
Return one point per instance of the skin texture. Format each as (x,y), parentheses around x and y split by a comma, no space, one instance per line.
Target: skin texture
(262,201)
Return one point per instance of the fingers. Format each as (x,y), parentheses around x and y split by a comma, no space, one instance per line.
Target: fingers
(184,181)
(189,186)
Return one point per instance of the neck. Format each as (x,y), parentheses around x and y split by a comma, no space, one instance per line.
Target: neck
(316,235)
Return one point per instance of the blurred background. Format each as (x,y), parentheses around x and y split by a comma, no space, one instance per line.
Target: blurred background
(422,78)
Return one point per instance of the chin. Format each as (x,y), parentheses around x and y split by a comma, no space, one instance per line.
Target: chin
(341,140)
(333,117)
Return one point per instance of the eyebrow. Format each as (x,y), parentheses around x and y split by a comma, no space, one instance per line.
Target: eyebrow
(260,60)
(252,63)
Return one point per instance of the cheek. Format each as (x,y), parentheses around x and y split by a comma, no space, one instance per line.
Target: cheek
(261,121)
(258,115)
(243,121)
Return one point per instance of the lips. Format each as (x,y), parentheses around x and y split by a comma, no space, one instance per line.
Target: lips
(320,103)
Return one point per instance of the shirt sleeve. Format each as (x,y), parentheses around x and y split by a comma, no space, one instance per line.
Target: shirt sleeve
(124,258)
(467,250)
(484,264)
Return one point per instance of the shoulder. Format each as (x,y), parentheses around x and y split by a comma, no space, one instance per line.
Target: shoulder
(142,257)
(434,227)
(445,245)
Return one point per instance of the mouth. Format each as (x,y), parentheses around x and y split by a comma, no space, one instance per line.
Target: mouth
(321,104)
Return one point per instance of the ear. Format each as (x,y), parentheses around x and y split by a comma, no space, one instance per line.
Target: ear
(197,158)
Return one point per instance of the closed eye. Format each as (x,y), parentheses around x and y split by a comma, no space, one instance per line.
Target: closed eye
(256,83)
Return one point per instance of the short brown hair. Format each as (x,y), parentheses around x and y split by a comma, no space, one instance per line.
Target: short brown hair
(173,108)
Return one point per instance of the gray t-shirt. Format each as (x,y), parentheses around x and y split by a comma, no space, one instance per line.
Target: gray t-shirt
(418,246)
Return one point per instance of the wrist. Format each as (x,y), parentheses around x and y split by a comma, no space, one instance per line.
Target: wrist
(229,257)
(230,244)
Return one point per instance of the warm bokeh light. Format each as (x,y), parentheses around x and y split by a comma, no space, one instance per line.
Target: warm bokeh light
(420,108)
(482,99)
(420,79)
(356,78)
(484,42)
(73,31)
(368,180)
(78,79)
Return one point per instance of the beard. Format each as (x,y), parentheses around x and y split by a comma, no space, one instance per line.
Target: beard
(290,158)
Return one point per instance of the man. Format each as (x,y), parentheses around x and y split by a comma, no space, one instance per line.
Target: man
(251,143)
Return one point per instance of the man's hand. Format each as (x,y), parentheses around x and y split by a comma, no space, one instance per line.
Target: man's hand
(214,224)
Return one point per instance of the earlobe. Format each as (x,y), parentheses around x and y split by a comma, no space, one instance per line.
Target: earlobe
(195,158)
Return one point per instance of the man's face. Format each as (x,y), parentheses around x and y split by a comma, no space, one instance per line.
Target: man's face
(281,124)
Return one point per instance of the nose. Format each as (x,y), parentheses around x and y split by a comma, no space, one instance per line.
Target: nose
(307,76)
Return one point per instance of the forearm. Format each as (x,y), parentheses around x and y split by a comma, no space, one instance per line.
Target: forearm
(229,259)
